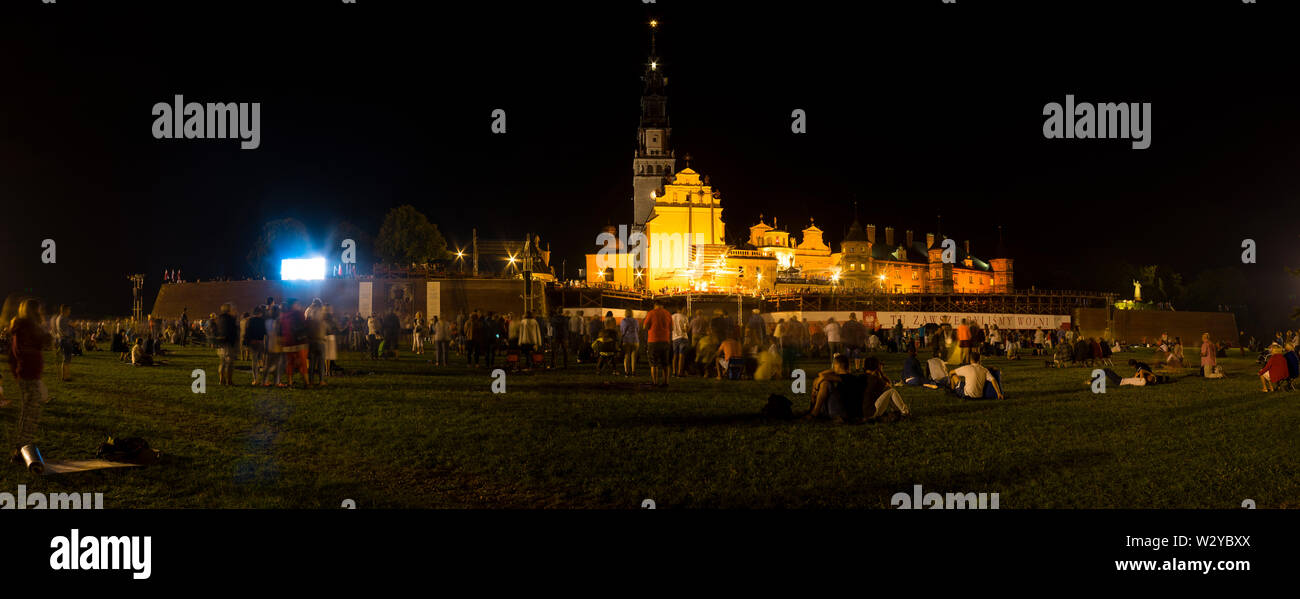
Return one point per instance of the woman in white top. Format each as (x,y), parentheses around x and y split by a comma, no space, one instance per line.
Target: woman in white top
(417,334)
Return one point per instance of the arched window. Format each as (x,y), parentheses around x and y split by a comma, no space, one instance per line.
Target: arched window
(609,275)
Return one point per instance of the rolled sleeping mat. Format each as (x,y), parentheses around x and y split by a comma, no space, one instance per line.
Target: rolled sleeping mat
(32,456)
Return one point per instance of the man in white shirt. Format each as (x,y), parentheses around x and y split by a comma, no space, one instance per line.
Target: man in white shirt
(578,331)
(971,378)
(833,342)
(681,342)
(529,335)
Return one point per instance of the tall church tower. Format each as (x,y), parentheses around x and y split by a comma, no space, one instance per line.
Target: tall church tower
(653,164)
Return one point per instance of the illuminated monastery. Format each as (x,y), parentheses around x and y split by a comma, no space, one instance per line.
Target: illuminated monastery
(676,241)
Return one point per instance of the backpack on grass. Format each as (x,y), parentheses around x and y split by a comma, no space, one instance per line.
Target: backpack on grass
(778,407)
(132,450)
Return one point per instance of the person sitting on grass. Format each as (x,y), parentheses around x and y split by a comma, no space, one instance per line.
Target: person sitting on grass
(844,396)
(606,349)
(1292,366)
(1082,352)
(912,369)
(938,373)
(1175,358)
(1106,353)
(1275,371)
(970,380)
(1062,356)
(140,357)
(120,346)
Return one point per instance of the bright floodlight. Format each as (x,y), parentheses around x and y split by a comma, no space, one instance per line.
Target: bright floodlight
(302,269)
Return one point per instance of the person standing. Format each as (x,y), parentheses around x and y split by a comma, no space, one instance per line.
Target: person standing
(755,331)
(332,335)
(392,331)
(66,336)
(243,330)
(27,339)
(578,331)
(314,318)
(185,326)
(1209,354)
(630,338)
(293,343)
(681,342)
(417,334)
(560,337)
(965,340)
(275,354)
(659,337)
(832,330)
(255,340)
(441,339)
(226,338)
(529,336)
(372,336)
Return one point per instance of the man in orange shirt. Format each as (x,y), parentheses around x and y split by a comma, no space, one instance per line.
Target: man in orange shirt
(729,350)
(658,326)
(964,341)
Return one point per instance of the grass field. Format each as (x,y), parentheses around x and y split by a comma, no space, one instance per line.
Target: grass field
(408,435)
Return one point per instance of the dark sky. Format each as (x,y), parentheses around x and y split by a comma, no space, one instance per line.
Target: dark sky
(914,108)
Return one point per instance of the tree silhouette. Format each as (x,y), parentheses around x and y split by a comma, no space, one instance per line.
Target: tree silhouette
(286,237)
(407,237)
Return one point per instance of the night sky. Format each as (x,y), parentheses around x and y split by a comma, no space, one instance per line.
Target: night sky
(914,108)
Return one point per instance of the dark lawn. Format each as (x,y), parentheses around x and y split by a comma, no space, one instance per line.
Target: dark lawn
(408,435)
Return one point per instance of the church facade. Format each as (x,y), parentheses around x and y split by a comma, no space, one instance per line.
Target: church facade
(677,239)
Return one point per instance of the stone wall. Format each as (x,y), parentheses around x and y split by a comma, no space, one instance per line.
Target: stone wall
(1131,326)
(455,295)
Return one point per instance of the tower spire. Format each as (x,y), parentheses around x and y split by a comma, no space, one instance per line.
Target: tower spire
(654,27)
(654,162)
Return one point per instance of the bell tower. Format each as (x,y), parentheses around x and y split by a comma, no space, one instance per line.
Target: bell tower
(653,164)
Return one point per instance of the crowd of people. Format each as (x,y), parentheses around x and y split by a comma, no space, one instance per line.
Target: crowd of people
(289,339)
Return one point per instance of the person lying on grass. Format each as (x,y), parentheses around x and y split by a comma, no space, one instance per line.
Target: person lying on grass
(1142,375)
(846,397)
